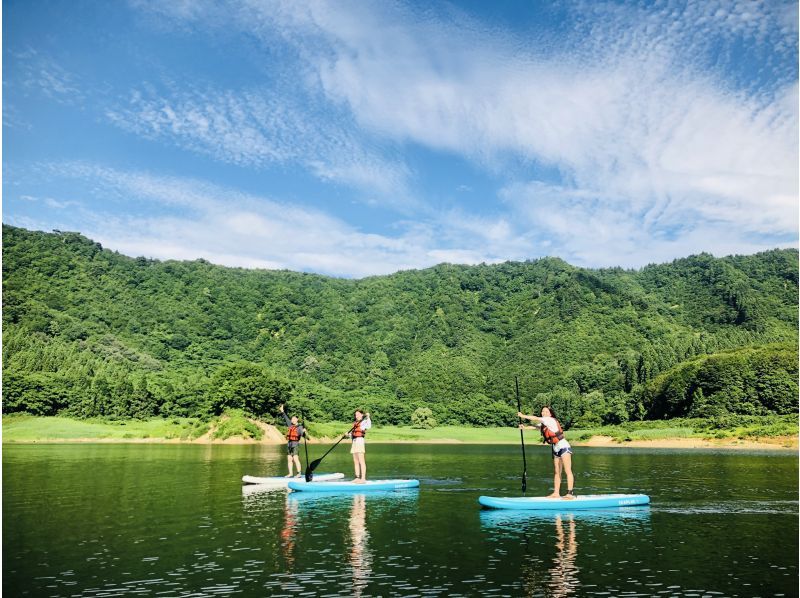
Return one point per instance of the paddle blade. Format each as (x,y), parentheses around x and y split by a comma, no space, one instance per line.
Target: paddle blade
(312,466)
(309,474)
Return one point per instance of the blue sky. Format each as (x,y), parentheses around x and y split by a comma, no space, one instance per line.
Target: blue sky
(362,138)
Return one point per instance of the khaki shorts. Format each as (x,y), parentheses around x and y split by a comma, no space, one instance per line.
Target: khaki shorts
(358,446)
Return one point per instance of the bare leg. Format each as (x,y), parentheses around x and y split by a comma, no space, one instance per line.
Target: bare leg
(356,466)
(297,464)
(556,479)
(566,458)
(363,459)
(289,463)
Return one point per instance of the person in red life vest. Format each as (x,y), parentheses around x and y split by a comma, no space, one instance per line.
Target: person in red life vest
(359,431)
(293,436)
(553,435)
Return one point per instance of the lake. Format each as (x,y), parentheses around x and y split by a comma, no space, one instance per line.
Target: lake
(174,520)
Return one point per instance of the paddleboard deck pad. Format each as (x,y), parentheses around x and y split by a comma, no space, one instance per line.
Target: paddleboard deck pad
(368,486)
(588,501)
(283,481)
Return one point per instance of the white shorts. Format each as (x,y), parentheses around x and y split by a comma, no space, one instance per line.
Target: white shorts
(561,447)
(358,446)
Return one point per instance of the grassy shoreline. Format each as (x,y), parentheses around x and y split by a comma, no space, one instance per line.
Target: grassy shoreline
(767,432)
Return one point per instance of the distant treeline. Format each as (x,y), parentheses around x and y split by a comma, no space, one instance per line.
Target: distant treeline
(89,332)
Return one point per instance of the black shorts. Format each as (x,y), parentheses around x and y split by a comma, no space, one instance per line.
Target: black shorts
(293,449)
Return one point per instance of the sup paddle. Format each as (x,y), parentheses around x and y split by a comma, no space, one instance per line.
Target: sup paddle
(522,441)
(309,474)
(313,465)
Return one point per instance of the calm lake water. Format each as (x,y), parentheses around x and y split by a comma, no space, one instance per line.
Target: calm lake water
(174,520)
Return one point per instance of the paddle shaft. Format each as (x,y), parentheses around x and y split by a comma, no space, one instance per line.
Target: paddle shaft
(313,465)
(522,441)
(305,433)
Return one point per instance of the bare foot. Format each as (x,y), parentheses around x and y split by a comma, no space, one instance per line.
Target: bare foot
(288,476)
(359,481)
(553,495)
(569,497)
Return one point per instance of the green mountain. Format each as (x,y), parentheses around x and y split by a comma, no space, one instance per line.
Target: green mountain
(88,331)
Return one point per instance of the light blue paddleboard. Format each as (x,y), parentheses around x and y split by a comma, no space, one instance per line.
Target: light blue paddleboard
(540,503)
(368,486)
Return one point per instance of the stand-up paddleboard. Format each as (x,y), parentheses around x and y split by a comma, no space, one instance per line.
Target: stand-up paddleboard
(368,486)
(282,482)
(540,503)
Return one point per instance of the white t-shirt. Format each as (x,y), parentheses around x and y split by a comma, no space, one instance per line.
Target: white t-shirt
(551,423)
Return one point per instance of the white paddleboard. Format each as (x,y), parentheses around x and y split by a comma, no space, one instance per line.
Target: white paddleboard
(283,482)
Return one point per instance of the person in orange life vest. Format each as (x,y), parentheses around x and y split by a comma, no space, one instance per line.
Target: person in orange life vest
(293,436)
(562,451)
(361,425)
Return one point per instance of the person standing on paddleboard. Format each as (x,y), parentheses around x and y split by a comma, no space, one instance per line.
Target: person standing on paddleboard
(293,436)
(562,451)
(359,431)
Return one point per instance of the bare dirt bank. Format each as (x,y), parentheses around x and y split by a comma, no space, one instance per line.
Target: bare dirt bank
(770,443)
(273,437)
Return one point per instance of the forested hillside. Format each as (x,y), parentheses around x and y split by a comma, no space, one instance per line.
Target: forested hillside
(89,332)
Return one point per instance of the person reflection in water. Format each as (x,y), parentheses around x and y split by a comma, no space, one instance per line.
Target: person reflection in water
(564,573)
(360,556)
(561,578)
(289,533)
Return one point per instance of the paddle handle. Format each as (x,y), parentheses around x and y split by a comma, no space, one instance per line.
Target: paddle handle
(522,441)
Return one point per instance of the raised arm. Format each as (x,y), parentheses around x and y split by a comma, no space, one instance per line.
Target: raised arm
(530,418)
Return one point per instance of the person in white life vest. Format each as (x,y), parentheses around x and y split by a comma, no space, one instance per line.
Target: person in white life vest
(553,435)
(293,436)
(361,425)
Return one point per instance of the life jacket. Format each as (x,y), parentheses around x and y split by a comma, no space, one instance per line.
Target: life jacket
(293,435)
(358,432)
(551,437)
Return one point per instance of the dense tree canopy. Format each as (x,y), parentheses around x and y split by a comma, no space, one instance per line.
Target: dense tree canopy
(89,332)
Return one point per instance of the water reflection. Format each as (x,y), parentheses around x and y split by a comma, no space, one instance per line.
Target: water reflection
(563,578)
(541,532)
(253,492)
(289,534)
(360,556)
(514,520)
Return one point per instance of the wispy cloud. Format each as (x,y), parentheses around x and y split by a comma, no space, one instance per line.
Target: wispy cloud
(42,73)
(260,128)
(225,226)
(658,138)
(643,133)
(50,202)
(629,133)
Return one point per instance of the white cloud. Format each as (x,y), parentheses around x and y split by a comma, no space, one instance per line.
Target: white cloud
(655,142)
(198,219)
(644,134)
(41,73)
(260,128)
